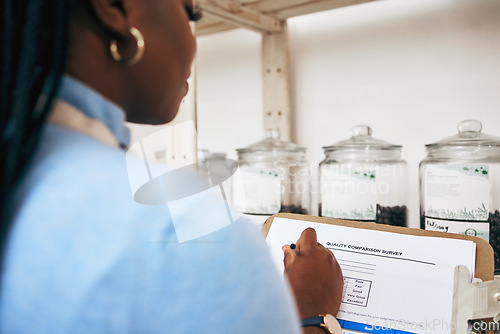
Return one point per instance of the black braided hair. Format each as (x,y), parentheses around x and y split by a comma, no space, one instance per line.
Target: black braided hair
(34,46)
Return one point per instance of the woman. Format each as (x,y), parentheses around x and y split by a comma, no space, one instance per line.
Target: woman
(79,254)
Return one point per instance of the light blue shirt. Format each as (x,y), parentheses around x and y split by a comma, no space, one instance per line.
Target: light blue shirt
(83,257)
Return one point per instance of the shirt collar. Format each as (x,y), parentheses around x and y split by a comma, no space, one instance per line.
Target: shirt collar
(95,106)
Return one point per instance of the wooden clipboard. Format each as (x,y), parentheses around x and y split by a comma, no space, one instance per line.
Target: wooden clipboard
(484,269)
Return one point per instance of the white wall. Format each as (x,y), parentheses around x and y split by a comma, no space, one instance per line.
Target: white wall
(229,92)
(411,69)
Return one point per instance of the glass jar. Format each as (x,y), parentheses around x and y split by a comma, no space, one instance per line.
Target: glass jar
(273,177)
(214,168)
(364,179)
(460,185)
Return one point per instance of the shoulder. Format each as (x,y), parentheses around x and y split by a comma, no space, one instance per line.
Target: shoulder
(82,245)
(224,280)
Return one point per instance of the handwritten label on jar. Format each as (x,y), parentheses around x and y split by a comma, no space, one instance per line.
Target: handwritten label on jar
(457,192)
(475,229)
(348,193)
(257,191)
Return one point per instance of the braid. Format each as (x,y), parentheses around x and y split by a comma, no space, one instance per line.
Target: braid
(34,44)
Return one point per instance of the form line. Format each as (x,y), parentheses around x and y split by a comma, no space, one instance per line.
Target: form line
(350,265)
(389,257)
(361,272)
(368,264)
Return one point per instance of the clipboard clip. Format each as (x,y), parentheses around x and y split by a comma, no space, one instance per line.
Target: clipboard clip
(473,300)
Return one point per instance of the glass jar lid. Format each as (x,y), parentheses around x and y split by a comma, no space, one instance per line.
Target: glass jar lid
(362,147)
(361,139)
(469,134)
(272,143)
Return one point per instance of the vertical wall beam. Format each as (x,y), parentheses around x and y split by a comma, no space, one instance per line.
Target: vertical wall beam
(276,82)
(182,142)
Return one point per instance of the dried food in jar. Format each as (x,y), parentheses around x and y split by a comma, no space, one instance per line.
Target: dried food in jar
(494,219)
(392,215)
(494,235)
(293,209)
(388,215)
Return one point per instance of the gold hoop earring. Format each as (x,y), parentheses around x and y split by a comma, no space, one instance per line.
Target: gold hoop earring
(113,48)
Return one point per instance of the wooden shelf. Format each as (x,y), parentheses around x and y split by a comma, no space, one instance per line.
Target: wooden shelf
(264,16)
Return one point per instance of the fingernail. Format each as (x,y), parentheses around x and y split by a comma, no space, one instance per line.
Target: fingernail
(283,248)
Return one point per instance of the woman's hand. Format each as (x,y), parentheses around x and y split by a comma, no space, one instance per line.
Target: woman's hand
(314,275)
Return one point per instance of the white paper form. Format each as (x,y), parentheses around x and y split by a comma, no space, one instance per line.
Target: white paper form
(393,283)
